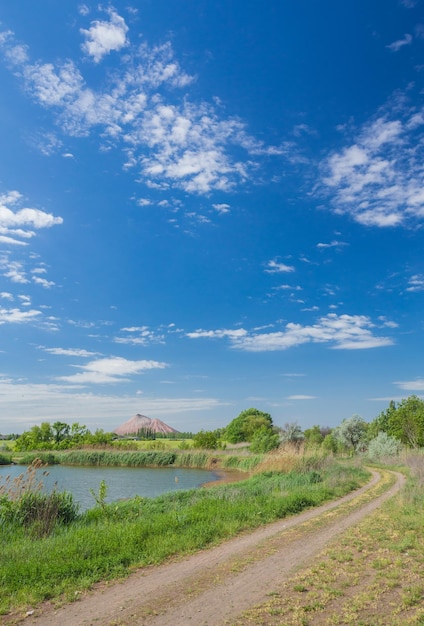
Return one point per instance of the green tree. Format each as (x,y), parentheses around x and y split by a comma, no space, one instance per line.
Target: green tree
(244,426)
(382,422)
(313,436)
(60,431)
(406,423)
(352,432)
(206,439)
(264,440)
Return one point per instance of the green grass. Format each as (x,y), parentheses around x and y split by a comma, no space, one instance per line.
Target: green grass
(372,575)
(106,542)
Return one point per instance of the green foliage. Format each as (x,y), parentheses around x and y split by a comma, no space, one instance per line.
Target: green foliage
(5,459)
(329,443)
(292,433)
(207,439)
(314,436)
(404,420)
(383,445)
(24,504)
(264,440)
(100,496)
(352,433)
(244,426)
(60,436)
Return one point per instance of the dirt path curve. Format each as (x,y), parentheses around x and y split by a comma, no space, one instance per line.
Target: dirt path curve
(214,586)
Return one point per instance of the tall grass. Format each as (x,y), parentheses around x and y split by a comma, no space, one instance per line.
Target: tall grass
(24,505)
(106,541)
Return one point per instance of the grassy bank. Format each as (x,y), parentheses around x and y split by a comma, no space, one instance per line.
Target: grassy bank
(154,458)
(109,540)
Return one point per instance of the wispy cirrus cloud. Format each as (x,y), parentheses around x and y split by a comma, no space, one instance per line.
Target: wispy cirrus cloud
(343,332)
(167,140)
(378,179)
(79,352)
(139,336)
(332,244)
(400,43)
(300,397)
(412,385)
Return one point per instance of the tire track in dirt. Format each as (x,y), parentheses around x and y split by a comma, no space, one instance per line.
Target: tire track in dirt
(217,584)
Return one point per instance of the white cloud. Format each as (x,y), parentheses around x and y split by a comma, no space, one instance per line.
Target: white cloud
(379,178)
(397,45)
(273,267)
(104,37)
(11,220)
(347,332)
(416,283)
(17,316)
(13,270)
(333,244)
(110,370)
(218,334)
(139,335)
(25,405)
(412,385)
(183,145)
(300,397)
(222,208)
(69,352)
(47,284)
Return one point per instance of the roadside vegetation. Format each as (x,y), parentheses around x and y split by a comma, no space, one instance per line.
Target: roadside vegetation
(287,471)
(372,576)
(109,540)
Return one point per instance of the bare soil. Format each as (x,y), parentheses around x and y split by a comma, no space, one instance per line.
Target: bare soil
(214,586)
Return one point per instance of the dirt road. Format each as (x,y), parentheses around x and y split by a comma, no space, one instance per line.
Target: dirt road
(215,586)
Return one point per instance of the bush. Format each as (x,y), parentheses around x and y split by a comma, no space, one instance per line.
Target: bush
(206,439)
(383,445)
(264,440)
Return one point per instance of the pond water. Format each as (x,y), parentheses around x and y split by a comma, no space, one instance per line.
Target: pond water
(122,482)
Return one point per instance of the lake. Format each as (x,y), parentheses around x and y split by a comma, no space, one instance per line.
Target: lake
(122,482)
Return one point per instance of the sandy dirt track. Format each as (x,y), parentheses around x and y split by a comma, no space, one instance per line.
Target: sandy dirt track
(214,586)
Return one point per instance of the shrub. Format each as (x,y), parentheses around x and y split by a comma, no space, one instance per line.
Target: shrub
(383,445)
(23,503)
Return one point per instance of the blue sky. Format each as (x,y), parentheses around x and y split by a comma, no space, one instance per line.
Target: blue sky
(207,206)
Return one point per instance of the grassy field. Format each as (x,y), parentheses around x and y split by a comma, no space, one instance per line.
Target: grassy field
(108,541)
(372,576)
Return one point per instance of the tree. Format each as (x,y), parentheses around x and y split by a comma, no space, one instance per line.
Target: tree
(244,426)
(352,432)
(292,433)
(60,431)
(407,422)
(207,439)
(313,436)
(264,440)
